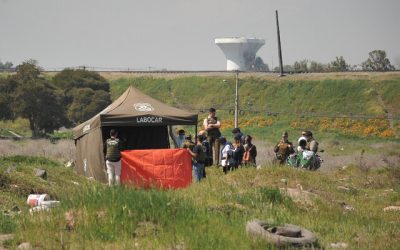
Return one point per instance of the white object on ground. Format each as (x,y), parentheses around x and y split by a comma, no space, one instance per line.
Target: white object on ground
(391,208)
(37,199)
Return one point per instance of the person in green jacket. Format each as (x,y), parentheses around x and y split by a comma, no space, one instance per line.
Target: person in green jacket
(112,150)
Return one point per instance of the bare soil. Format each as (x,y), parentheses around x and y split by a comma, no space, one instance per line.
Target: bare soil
(4,237)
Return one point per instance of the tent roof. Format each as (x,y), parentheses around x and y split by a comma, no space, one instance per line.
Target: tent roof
(133,108)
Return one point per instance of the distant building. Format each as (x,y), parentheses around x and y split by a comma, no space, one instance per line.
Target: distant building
(240,52)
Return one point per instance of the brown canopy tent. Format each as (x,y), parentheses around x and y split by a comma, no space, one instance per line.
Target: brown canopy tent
(139,119)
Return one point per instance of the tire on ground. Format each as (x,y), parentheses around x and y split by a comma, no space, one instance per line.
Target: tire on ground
(264,230)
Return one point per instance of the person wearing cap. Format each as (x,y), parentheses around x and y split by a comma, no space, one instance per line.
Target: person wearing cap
(283,149)
(312,144)
(212,125)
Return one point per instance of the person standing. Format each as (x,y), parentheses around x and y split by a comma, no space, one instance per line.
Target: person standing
(237,133)
(250,152)
(283,149)
(227,161)
(212,125)
(207,146)
(188,143)
(238,151)
(199,158)
(112,150)
(178,139)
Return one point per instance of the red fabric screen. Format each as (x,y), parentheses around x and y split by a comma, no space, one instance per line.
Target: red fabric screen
(163,168)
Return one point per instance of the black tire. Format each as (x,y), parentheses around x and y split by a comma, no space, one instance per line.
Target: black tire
(264,230)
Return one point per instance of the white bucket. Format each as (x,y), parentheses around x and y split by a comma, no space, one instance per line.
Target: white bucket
(37,199)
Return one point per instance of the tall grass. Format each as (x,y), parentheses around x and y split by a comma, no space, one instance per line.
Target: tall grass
(208,215)
(62,150)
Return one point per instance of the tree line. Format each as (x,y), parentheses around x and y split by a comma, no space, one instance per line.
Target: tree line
(67,99)
(377,61)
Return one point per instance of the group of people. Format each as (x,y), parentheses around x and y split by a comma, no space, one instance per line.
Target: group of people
(284,148)
(212,148)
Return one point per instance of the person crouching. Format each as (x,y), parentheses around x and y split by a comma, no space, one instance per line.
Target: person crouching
(199,158)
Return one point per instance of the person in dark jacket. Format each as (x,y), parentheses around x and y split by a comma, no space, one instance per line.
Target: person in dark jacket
(250,152)
(112,151)
(237,133)
(199,157)
(238,151)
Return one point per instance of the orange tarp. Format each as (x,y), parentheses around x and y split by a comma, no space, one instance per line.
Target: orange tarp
(163,168)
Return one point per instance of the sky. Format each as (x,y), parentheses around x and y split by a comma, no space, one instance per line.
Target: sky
(179,34)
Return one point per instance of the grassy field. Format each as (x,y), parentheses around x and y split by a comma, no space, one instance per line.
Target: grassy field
(327,104)
(278,103)
(212,214)
(208,215)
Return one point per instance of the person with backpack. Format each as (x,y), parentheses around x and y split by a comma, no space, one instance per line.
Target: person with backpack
(250,152)
(198,154)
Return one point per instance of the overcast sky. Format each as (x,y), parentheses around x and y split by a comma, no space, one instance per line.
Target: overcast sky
(179,34)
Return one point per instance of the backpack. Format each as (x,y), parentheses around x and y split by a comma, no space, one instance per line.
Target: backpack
(247,155)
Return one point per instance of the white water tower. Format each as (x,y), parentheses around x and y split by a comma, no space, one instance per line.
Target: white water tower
(240,52)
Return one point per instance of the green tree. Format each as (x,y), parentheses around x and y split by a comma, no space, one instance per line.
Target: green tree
(6,65)
(70,78)
(37,100)
(300,66)
(339,65)
(316,67)
(286,68)
(259,65)
(85,93)
(87,103)
(27,71)
(377,61)
(7,88)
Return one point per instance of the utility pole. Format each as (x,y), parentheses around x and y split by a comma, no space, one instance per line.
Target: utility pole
(237,100)
(279,45)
